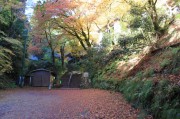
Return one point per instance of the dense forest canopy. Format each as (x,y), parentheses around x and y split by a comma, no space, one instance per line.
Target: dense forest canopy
(83,20)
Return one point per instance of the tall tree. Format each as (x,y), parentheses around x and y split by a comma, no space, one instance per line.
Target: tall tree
(75,18)
(43,36)
(45,32)
(11,37)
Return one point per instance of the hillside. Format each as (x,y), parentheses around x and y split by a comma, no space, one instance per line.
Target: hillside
(161,59)
(150,79)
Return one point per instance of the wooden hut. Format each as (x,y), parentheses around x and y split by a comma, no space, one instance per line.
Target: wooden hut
(40,77)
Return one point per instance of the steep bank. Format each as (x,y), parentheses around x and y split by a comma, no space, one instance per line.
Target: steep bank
(148,80)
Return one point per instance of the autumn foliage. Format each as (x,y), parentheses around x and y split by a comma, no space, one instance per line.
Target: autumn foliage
(78,19)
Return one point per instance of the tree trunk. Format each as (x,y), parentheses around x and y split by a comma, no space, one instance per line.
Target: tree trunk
(88,43)
(52,57)
(153,14)
(82,44)
(62,55)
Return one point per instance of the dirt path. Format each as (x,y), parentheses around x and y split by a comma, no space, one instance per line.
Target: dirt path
(41,103)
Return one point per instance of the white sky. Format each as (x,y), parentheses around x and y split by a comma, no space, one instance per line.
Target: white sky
(30,4)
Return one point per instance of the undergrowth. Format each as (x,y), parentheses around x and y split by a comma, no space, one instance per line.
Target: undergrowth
(160,99)
(6,83)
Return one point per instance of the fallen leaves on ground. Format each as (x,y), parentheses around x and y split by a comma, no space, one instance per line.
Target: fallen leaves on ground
(64,104)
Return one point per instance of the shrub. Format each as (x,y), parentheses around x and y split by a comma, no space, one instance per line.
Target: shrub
(109,84)
(148,72)
(139,75)
(166,102)
(6,83)
(175,50)
(165,63)
(176,70)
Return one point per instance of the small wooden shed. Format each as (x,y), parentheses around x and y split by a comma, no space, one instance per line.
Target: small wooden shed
(40,77)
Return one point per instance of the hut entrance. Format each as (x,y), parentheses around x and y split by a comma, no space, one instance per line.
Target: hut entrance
(40,77)
(70,80)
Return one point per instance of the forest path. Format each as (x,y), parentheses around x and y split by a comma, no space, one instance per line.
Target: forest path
(41,103)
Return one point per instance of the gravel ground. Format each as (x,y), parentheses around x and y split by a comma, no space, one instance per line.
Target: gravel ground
(41,103)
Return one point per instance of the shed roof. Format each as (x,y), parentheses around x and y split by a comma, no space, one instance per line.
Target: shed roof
(40,70)
(29,73)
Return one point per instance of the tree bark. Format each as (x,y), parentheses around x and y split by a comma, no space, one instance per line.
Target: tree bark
(62,55)
(153,14)
(52,56)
